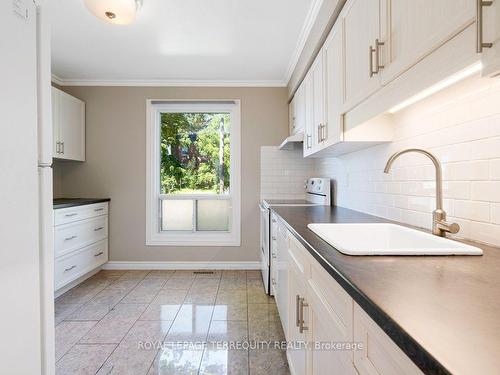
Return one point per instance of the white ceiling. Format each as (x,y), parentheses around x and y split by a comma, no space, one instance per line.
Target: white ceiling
(252,42)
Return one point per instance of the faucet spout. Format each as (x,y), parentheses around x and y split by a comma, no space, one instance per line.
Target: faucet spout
(439,224)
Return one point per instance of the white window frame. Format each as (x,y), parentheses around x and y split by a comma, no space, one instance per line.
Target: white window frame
(154,235)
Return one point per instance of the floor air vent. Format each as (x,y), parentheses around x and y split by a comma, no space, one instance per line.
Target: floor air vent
(203,272)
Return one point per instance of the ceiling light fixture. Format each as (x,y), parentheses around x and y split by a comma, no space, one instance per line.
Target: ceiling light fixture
(120,12)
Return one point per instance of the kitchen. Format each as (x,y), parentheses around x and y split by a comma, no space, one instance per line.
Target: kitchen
(368,132)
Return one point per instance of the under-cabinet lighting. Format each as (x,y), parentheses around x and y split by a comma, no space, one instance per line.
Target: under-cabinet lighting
(438,86)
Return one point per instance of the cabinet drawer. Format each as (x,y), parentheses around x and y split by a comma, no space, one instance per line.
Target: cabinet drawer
(71,214)
(72,236)
(380,355)
(72,266)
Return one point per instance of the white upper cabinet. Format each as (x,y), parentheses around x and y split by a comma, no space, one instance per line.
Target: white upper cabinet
(334,85)
(413,29)
(489,31)
(318,101)
(361,24)
(298,111)
(68,126)
(308,87)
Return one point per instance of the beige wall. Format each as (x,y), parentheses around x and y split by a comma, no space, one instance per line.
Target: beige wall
(116,159)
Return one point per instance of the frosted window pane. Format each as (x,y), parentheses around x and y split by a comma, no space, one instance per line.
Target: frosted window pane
(177,215)
(213,215)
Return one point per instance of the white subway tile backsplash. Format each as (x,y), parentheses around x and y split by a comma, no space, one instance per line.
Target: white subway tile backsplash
(479,211)
(283,173)
(495,213)
(495,169)
(461,126)
(486,191)
(467,171)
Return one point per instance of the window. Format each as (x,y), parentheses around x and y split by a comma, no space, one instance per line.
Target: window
(193,173)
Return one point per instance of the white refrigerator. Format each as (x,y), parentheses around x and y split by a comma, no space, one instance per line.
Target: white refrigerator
(26,235)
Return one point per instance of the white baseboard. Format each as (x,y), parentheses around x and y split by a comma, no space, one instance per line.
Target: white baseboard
(181,266)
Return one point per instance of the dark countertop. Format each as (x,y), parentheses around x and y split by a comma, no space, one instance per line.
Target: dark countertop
(73,202)
(442,311)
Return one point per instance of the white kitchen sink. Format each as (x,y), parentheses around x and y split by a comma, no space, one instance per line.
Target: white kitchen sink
(388,239)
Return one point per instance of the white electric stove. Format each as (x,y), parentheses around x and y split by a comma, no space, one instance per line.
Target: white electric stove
(317,193)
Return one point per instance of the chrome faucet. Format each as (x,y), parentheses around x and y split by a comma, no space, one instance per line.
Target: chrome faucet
(439,224)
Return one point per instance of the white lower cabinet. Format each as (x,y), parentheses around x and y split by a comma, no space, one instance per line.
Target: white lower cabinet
(380,355)
(325,326)
(80,241)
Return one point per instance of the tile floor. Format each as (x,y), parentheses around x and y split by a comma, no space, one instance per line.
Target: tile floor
(169,322)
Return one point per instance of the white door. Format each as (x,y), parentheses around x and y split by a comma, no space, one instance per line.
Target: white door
(19,251)
(327,328)
(72,127)
(308,114)
(56,122)
(413,29)
(318,102)
(291,116)
(298,317)
(334,84)
(282,276)
(264,246)
(360,21)
(299,109)
(490,30)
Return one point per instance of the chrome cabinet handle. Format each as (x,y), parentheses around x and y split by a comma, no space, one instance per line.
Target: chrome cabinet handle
(99,253)
(479,25)
(378,66)
(323,132)
(319,133)
(273,281)
(57,147)
(274,256)
(98,209)
(70,238)
(302,304)
(70,268)
(71,215)
(98,229)
(308,143)
(371,50)
(297,310)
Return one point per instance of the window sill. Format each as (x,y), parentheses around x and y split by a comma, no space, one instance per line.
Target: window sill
(189,239)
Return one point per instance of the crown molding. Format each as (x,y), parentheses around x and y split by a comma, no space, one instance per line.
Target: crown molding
(168,83)
(312,14)
(57,80)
